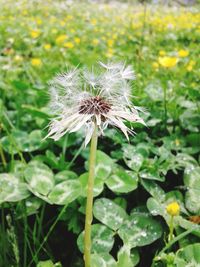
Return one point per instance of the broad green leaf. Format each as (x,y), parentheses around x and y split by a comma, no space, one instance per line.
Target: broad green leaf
(102,239)
(97,261)
(140,230)
(11,188)
(65,192)
(156,207)
(39,178)
(188,256)
(109,260)
(98,185)
(109,213)
(127,257)
(192,181)
(104,165)
(155,190)
(22,141)
(65,175)
(132,158)
(122,181)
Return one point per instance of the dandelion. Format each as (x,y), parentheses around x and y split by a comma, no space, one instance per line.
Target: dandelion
(90,101)
(103,100)
(168,62)
(36,62)
(68,45)
(35,33)
(183,53)
(173,209)
(47,46)
(61,39)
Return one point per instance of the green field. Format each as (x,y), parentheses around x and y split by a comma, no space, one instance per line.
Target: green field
(146,190)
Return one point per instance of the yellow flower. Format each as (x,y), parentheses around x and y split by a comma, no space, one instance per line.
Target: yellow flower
(173,208)
(168,62)
(36,62)
(38,21)
(110,52)
(162,53)
(61,39)
(47,46)
(183,53)
(93,22)
(35,33)
(155,65)
(110,42)
(68,45)
(95,41)
(190,65)
(77,40)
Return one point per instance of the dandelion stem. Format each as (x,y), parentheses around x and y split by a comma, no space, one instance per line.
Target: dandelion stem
(171,229)
(89,203)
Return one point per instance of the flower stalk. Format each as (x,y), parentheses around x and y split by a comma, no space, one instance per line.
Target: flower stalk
(89,203)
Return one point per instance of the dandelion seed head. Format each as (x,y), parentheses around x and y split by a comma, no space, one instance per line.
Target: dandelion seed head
(82,99)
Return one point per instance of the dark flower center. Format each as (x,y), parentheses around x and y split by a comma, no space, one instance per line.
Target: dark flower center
(94,105)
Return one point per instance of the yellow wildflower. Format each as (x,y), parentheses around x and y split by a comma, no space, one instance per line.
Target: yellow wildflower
(155,65)
(183,53)
(110,42)
(168,62)
(61,39)
(93,22)
(35,33)
(47,46)
(162,53)
(190,65)
(77,40)
(36,62)
(173,208)
(110,53)
(95,41)
(38,21)
(68,45)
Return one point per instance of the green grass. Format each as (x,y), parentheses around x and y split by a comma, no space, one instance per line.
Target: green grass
(37,42)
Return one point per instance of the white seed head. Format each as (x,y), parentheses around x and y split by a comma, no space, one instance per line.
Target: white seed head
(83,99)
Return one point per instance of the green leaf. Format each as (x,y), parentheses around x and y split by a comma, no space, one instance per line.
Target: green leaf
(188,256)
(151,175)
(11,188)
(65,192)
(156,207)
(127,257)
(109,213)
(140,230)
(122,181)
(22,141)
(65,175)
(40,179)
(132,157)
(104,165)
(155,190)
(192,181)
(102,239)
(98,185)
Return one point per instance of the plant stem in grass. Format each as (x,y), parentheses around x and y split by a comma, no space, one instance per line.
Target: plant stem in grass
(89,203)
(171,229)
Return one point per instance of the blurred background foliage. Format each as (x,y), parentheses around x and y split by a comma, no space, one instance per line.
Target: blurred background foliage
(43,183)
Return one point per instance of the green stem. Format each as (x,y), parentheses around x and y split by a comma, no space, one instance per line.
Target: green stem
(89,203)
(171,229)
